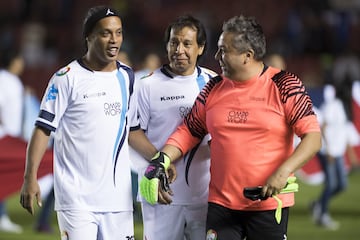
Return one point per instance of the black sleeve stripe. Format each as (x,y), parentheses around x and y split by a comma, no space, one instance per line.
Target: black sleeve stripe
(290,86)
(191,121)
(135,128)
(45,126)
(189,157)
(207,89)
(47,115)
(195,126)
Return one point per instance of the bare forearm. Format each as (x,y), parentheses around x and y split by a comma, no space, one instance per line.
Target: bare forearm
(139,141)
(35,152)
(173,152)
(310,144)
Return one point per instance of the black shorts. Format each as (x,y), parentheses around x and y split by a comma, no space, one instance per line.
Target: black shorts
(227,224)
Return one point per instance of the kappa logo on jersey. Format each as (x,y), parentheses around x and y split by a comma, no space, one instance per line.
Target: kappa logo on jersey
(52,93)
(130,238)
(171,98)
(211,235)
(257,99)
(92,95)
(63,71)
(238,116)
(112,109)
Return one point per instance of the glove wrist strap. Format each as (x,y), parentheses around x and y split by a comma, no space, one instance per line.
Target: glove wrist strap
(162,158)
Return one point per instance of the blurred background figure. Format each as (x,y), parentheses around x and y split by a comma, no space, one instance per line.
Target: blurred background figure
(123,57)
(355,163)
(44,220)
(339,138)
(275,60)
(11,108)
(30,112)
(151,62)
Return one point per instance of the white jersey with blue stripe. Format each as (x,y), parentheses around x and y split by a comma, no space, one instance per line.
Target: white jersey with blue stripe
(164,99)
(88,112)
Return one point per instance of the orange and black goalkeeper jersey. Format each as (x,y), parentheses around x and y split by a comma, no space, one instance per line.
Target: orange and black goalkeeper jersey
(252,125)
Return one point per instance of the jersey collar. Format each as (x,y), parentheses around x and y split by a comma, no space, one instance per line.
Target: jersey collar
(166,70)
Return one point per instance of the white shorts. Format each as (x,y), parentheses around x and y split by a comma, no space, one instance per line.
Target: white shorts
(175,222)
(80,225)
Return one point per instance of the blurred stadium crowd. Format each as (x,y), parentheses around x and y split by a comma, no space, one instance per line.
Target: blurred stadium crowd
(312,35)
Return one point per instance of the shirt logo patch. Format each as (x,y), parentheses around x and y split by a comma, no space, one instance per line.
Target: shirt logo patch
(92,95)
(211,235)
(184,111)
(238,116)
(172,98)
(63,71)
(112,109)
(257,99)
(52,93)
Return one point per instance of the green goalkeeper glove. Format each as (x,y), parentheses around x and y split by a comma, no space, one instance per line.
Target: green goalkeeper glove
(155,175)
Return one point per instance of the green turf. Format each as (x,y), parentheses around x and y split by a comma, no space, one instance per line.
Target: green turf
(344,208)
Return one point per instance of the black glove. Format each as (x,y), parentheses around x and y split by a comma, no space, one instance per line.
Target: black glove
(254,193)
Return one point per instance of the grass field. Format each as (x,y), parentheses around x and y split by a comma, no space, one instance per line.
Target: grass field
(345,209)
